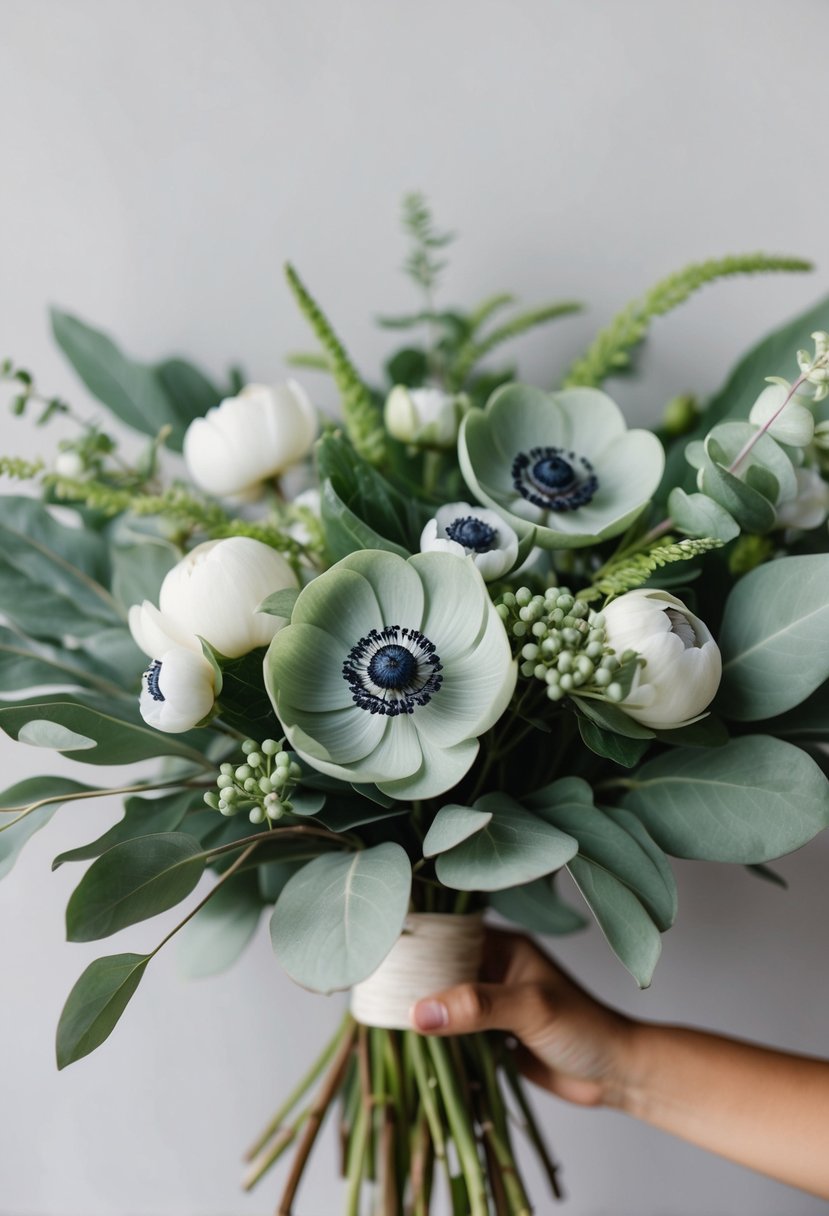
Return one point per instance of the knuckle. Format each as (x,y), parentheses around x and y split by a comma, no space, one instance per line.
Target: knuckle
(471,1003)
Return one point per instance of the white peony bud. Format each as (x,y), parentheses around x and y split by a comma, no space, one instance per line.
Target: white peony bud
(214,593)
(682,661)
(427,417)
(177,691)
(472,532)
(811,506)
(249,438)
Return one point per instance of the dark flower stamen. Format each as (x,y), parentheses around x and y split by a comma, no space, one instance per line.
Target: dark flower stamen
(472,533)
(392,670)
(554,479)
(151,676)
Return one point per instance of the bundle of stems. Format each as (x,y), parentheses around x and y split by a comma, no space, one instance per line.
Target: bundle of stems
(415,1114)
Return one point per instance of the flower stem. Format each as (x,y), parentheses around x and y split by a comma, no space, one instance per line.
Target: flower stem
(460,1126)
(316,1115)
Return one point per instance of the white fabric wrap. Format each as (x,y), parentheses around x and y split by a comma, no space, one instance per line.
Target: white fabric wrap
(435,951)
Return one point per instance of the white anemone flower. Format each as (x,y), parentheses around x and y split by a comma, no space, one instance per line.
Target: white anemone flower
(682,661)
(177,691)
(391,670)
(426,417)
(247,439)
(214,593)
(473,532)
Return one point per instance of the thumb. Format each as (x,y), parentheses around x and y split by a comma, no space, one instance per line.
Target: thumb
(468,1008)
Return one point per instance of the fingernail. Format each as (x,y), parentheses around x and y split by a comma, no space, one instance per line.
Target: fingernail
(430,1015)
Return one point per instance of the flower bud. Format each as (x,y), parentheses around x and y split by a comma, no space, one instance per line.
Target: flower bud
(177,691)
(249,438)
(682,661)
(426,417)
(474,532)
(214,593)
(70,464)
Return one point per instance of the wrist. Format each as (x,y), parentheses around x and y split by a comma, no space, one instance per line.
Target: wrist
(626,1083)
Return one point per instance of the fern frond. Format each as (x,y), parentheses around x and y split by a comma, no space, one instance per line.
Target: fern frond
(487,308)
(309,359)
(472,352)
(361,417)
(627,573)
(610,349)
(176,504)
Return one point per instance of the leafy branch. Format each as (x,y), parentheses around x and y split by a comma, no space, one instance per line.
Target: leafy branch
(626,573)
(361,417)
(610,350)
(472,351)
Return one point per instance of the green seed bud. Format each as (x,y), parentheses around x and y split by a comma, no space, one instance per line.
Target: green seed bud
(255,760)
(527,669)
(614,692)
(256,814)
(226,770)
(554,692)
(565,661)
(530,651)
(602,678)
(295,771)
(523,596)
(519,629)
(270,747)
(282,760)
(540,671)
(566,682)
(266,784)
(223,781)
(250,784)
(249,745)
(243,772)
(212,800)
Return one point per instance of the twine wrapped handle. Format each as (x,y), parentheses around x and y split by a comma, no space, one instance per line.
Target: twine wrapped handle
(436,950)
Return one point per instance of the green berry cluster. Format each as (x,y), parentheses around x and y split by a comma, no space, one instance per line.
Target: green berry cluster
(561,641)
(262,785)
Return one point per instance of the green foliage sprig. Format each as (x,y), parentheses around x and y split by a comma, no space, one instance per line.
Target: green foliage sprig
(361,417)
(422,265)
(474,350)
(22,470)
(192,514)
(627,573)
(609,352)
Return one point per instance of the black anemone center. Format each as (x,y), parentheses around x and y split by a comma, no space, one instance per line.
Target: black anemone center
(554,472)
(554,479)
(392,667)
(393,670)
(151,676)
(472,533)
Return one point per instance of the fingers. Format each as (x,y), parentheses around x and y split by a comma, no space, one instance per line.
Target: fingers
(468,1008)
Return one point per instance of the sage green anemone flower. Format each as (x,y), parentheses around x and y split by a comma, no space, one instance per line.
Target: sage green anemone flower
(391,669)
(564,463)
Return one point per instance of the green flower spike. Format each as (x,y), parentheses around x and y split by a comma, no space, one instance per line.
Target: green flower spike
(391,669)
(564,463)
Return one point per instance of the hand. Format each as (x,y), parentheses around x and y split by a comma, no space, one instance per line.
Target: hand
(569,1043)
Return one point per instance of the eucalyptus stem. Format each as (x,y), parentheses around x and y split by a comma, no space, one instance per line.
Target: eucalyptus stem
(316,1115)
(460,1126)
(299,1090)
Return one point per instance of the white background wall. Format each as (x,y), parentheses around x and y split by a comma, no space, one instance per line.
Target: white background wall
(159,162)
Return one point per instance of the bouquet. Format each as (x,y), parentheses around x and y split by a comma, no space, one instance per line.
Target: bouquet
(474,648)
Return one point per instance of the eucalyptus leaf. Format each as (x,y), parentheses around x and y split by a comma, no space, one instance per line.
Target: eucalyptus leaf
(773,355)
(135,392)
(611,718)
(630,932)
(142,817)
(618,748)
(752,511)
(451,826)
(52,577)
(750,801)
(280,603)
(339,916)
(345,532)
(117,739)
(132,882)
(773,638)
(699,515)
(17,798)
(515,847)
(607,843)
(190,390)
(138,569)
(537,907)
(95,1004)
(213,940)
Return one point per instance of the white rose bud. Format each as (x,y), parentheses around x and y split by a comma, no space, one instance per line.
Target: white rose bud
(472,532)
(682,661)
(249,438)
(70,464)
(426,417)
(177,691)
(811,506)
(214,593)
